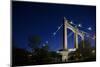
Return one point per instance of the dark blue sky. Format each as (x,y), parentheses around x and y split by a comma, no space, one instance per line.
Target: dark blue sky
(29,18)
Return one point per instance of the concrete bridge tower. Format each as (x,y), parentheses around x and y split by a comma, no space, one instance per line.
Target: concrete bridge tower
(66,25)
(64,51)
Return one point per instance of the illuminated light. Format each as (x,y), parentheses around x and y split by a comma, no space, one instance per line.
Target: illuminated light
(93,51)
(59,27)
(57,51)
(54,33)
(80,54)
(30,55)
(71,22)
(43,44)
(89,28)
(79,25)
(73,49)
(46,42)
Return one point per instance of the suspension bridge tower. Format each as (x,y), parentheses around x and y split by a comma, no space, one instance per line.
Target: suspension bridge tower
(66,25)
(64,52)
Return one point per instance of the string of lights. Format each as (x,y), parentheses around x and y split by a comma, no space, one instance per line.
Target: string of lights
(76,25)
(87,34)
(80,25)
(59,27)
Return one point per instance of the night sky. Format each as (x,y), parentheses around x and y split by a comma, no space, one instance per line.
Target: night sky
(43,19)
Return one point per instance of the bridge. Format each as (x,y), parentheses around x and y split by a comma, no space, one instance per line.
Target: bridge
(77,32)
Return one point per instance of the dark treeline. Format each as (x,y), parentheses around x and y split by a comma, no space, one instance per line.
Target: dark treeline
(37,55)
(42,55)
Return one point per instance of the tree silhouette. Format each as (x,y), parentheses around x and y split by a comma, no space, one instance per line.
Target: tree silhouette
(86,53)
(34,42)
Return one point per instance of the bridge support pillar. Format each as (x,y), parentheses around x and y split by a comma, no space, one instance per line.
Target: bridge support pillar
(65,34)
(76,39)
(64,55)
(64,51)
